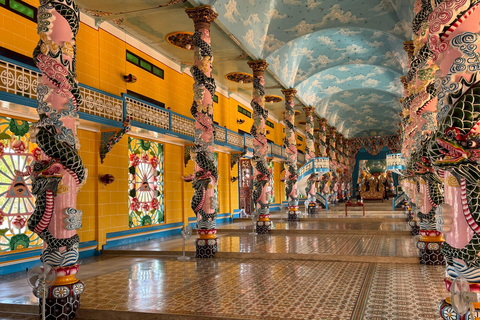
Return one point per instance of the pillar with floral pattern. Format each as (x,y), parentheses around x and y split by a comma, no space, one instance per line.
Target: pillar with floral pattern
(260,166)
(58,171)
(331,142)
(291,172)
(310,190)
(204,180)
(322,142)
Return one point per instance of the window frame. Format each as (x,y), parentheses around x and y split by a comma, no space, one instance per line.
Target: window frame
(7,4)
(144,64)
(244,111)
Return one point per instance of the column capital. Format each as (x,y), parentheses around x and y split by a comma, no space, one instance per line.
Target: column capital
(289,93)
(308,110)
(322,122)
(332,130)
(409,47)
(258,67)
(404,81)
(202,16)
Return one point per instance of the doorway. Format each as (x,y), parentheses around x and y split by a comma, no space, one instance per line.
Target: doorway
(246,186)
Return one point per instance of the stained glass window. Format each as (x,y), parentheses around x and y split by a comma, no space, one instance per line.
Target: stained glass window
(16,200)
(145,183)
(272,183)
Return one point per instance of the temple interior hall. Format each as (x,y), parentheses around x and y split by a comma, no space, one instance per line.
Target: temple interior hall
(240,159)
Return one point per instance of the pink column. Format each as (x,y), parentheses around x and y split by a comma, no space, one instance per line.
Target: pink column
(310,190)
(322,142)
(260,167)
(290,142)
(58,172)
(204,203)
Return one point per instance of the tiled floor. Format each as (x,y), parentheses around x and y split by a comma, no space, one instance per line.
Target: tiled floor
(325,225)
(332,244)
(247,288)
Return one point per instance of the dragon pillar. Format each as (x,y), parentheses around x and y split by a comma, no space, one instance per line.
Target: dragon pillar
(453,42)
(204,202)
(431,241)
(58,171)
(310,190)
(262,175)
(291,174)
(322,152)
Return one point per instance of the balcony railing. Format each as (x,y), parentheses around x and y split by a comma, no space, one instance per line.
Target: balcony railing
(20,80)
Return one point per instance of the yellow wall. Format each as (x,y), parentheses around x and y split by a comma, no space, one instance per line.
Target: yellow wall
(279,185)
(101,63)
(224,183)
(234,198)
(17,33)
(87,198)
(174,185)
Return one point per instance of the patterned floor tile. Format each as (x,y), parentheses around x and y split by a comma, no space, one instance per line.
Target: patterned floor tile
(326,244)
(266,289)
(405,292)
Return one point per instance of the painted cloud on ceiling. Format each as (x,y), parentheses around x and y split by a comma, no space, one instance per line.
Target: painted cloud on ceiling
(330,50)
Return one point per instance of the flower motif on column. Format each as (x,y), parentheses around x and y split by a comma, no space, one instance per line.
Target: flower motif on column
(58,172)
(205,177)
(260,166)
(310,153)
(322,123)
(291,174)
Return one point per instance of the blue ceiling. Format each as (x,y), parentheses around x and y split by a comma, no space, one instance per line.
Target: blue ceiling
(333,52)
(345,57)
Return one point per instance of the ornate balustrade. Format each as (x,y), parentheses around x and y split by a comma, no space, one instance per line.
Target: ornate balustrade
(101,105)
(182,125)
(19,82)
(18,79)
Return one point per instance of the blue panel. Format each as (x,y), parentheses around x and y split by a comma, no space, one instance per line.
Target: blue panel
(24,265)
(139,230)
(139,238)
(101,120)
(13,98)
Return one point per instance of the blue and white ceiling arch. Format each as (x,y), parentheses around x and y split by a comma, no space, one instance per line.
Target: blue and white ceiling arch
(328,48)
(344,78)
(356,112)
(323,48)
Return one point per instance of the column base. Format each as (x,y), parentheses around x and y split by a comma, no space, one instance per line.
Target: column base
(264,227)
(430,253)
(293,214)
(62,301)
(415,229)
(312,209)
(447,312)
(206,248)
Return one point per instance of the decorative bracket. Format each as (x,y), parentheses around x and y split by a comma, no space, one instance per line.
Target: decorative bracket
(111,138)
(236,156)
(187,154)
